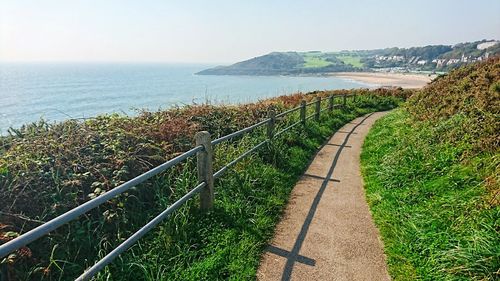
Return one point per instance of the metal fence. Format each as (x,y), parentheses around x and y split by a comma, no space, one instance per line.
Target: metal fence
(204,153)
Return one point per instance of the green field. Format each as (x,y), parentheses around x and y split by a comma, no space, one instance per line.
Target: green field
(352,60)
(313,61)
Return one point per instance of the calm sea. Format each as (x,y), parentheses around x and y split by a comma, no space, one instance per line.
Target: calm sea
(57,92)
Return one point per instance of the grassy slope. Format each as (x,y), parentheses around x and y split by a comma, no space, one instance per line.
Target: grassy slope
(312,61)
(432,180)
(44,171)
(352,60)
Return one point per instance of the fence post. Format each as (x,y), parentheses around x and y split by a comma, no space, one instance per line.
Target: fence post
(330,103)
(303,112)
(345,100)
(205,169)
(271,114)
(318,108)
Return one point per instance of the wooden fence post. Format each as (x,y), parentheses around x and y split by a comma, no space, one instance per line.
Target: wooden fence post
(330,103)
(205,169)
(318,108)
(271,114)
(303,112)
(345,100)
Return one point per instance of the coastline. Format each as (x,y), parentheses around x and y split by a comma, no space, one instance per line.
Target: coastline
(383,79)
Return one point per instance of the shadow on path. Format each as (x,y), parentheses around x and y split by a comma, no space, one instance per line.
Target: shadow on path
(293,256)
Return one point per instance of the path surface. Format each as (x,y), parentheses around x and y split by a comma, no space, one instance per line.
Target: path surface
(327,232)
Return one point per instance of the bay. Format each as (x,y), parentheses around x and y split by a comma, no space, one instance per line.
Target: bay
(59,91)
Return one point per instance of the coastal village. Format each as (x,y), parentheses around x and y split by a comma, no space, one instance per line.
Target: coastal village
(440,62)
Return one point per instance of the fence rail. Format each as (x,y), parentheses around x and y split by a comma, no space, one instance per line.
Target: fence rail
(204,154)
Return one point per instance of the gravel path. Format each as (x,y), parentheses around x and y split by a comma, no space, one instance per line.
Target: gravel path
(327,232)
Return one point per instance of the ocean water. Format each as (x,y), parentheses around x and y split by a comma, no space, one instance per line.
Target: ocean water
(55,92)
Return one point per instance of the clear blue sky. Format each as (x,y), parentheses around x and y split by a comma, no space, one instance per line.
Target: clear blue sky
(228,31)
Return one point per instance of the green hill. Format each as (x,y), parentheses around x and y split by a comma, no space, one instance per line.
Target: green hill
(283,63)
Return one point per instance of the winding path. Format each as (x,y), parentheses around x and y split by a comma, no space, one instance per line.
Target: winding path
(327,232)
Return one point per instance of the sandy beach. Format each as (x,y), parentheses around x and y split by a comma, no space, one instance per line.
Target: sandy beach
(378,79)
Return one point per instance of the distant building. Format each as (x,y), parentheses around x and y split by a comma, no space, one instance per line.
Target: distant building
(486,45)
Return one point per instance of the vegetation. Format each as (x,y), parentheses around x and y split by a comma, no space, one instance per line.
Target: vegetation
(353,60)
(46,169)
(274,63)
(432,173)
(315,61)
(283,63)
(402,59)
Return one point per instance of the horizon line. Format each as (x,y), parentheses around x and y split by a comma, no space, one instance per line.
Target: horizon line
(107,61)
(219,62)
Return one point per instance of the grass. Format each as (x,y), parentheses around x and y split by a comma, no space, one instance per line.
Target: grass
(227,243)
(312,61)
(436,213)
(223,244)
(432,173)
(352,60)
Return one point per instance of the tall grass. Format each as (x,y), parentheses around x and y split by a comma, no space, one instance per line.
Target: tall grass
(432,171)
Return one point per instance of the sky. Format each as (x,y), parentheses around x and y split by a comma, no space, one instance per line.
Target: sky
(225,31)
